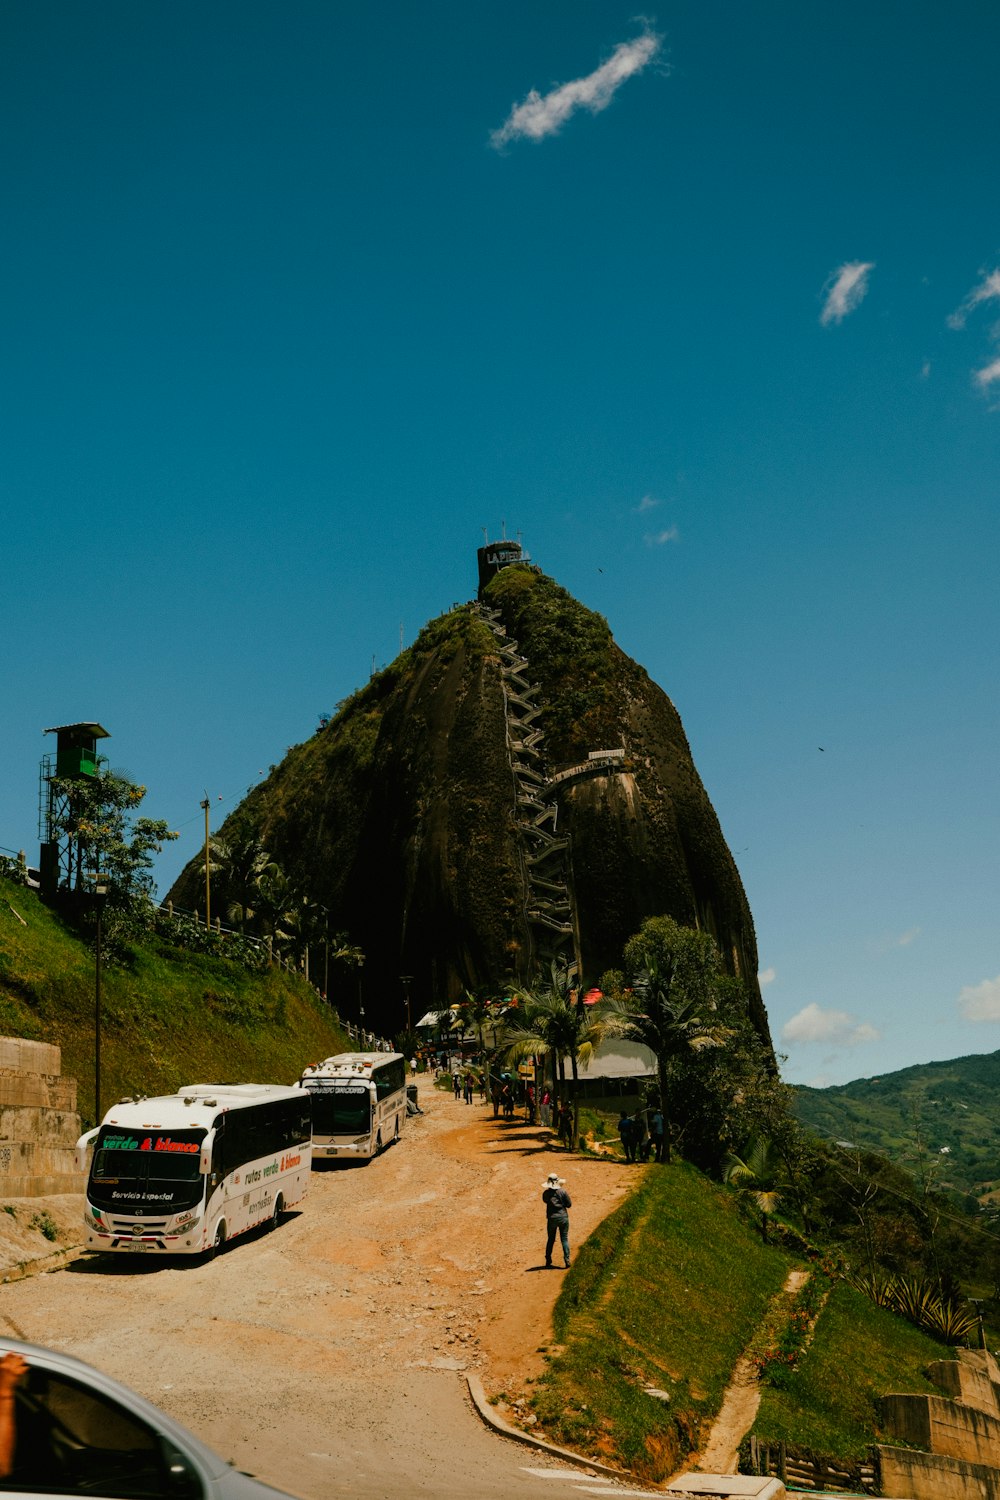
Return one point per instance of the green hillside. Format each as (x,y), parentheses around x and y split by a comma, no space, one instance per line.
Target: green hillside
(169,1016)
(667,1293)
(938,1120)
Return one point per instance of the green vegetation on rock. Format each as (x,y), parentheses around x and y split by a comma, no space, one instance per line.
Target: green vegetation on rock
(170,1016)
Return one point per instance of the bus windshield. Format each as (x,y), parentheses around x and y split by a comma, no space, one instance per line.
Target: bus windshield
(138,1169)
(340,1108)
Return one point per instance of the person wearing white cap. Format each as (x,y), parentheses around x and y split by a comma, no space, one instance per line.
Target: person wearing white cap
(557,1205)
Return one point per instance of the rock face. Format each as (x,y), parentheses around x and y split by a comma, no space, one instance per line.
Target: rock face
(421,815)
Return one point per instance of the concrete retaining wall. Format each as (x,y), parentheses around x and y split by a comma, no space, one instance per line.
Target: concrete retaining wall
(943,1427)
(931,1476)
(966,1382)
(39,1125)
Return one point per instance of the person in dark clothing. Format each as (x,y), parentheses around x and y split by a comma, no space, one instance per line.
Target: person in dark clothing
(557,1205)
(626,1133)
(657,1133)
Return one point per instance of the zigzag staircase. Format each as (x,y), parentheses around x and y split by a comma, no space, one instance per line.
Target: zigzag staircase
(544,852)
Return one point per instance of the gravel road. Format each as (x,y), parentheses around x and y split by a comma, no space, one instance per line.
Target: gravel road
(326,1357)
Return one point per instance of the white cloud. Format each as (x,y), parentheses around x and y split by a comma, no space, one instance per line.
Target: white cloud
(660,538)
(988,290)
(985,377)
(545,114)
(812,1024)
(906,938)
(845,290)
(646,504)
(766,976)
(981,1002)
(925,369)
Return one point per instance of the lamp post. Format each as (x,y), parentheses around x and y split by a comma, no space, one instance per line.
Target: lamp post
(326,954)
(100,891)
(406,980)
(208,880)
(361,1001)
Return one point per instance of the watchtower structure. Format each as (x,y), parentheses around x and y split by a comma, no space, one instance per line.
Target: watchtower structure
(495,556)
(76,759)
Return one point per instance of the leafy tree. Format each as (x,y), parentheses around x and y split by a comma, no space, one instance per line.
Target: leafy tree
(96,816)
(673,1005)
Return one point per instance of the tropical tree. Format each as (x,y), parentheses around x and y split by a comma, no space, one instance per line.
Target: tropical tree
(239,859)
(761,1175)
(555,1023)
(672,1007)
(95,818)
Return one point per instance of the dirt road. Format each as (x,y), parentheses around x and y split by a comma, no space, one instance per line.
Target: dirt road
(326,1357)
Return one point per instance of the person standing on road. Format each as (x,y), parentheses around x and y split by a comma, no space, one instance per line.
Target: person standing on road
(657,1133)
(557,1205)
(456,1080)
(468,1087)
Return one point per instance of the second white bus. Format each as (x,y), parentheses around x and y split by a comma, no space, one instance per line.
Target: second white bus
(358,1103)
(184,1173)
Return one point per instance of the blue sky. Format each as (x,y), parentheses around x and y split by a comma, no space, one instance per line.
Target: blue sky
(298,297)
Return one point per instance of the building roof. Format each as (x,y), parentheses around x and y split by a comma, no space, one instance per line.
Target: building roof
(95,729)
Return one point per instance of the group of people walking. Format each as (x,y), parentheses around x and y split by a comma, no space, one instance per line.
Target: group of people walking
(643,1134)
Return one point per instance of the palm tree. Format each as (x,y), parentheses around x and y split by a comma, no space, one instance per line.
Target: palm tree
(672,1007)
(556,1024)
(762,1175)
(240,859)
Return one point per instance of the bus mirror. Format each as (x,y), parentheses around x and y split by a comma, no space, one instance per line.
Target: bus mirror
(84,1151)
(205,1161)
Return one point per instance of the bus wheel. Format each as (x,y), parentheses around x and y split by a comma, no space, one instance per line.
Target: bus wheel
(378,1143)
(219,1243)
(396,1136)
(279,1208)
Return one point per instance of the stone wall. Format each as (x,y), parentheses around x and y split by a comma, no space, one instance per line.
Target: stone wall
(39,1124)
(959,1433)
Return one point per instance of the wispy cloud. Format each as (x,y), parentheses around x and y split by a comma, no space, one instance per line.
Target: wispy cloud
(845,290)
(981,1002)
(540,115)
(646,504)
(987,376)
(988,290)
(766,976)
(906,938)
(813,1024)
(660,538)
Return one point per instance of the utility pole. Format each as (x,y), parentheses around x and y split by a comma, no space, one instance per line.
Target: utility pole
(208,883)
(406,980)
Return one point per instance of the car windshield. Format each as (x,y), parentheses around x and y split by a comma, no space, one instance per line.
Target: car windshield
(341,1109)
(160,1169)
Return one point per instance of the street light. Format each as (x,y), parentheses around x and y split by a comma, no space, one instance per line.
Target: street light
(406,980)
(361,1002)
(99,890)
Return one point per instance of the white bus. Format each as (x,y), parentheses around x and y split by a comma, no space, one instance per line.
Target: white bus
(184,1173)
(358,1103)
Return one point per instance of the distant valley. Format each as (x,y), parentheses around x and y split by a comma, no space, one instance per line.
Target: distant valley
(939,1120)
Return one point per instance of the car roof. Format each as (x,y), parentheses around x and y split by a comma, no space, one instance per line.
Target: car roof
(57,1363)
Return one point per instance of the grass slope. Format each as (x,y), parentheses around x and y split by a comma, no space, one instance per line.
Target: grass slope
(858,1353)
(668,1292)
(937,1116)
(171,1017)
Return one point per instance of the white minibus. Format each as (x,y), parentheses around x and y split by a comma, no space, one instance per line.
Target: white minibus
(184,1173)
(358,1103)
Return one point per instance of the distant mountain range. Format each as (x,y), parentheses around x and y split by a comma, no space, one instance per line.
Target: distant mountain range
(939,1120)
